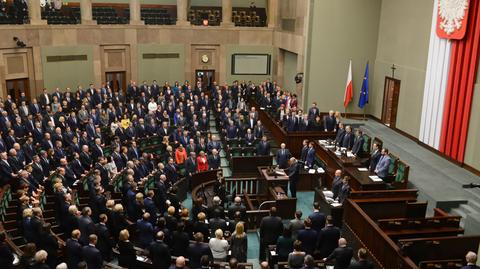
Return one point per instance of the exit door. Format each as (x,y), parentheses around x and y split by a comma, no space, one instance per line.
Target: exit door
(206,77)
(116,81)
(16,86)
(390,101)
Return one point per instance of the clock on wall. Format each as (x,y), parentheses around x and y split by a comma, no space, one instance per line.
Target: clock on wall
(205,58)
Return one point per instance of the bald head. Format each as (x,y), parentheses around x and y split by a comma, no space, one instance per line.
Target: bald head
(180,262)
(342,242)
(471,257)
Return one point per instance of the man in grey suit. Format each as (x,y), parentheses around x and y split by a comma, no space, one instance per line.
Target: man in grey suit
(382,167)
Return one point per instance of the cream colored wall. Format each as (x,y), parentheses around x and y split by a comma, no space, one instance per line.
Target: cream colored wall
(235,3)
(69,73)
(403,40)
(472,158)
(340,30)
(289,70)
(168,69)
(252,40)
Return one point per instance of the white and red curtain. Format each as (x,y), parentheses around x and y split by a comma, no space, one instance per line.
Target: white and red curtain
(449,84)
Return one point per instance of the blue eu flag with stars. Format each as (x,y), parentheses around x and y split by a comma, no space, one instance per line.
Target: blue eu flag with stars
(364,92)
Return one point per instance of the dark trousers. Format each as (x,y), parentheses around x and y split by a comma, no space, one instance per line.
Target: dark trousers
(293,188)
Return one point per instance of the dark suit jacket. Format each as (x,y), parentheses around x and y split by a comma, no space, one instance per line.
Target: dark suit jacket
(308,237)
(357,148)
(86,227)
(74,253)
(270,229)
(374,158)
(328,240)
(105,241)
(214,163)
(318,221)
(190,166)
(145,233)
(282,158)
(369,265)
(263,148)
(329,123)
(342,257)
(348,140)
(158,250)
(92,257)
(196,251)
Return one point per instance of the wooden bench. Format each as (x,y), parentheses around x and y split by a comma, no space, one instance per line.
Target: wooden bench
(393,209)
(247,166)
(408,223)
(441,264)
(430,248)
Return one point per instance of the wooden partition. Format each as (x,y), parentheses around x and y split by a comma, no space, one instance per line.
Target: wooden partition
(451,247)
(293,140)
(202,177)
(246,166)
(366,231)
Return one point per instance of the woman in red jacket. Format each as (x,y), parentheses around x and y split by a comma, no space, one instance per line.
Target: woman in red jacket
(202,162)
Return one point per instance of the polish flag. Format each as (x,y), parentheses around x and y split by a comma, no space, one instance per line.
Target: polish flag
(349,88)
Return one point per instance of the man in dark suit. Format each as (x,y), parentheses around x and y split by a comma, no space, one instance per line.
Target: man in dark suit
(237,207)
(328,238)
(293,176)
(374,157)
(74,250)
(45,99)
(214,160)
(342,255)
(271,227)
(303,154)
(330,122)
(150,207)
(310,159)
(283,156)
(145,231)
(348,139)
(191,164)
(363,263)
(471,259)
(340,134)
(263,148)
(317,217)
(345,190)
(198,249)
(357,148)
(91,254)
(105,241)
(337,184)
(308,237)
(134,152)
(158,251)
(6,170)
(86,225)
(171,171)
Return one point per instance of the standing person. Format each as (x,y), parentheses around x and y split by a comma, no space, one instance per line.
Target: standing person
(283,155)
(363,263)
(127,256)
(6,255)
(239,243)
(342,255)
(202,162)
(91,254)
(271,227)
(293,176)
(295,258)
(219,246)
(471,258)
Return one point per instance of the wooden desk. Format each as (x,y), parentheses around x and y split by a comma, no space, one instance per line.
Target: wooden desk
(307,181)
(286,206)
(202,177)
(246,166)
(360,180)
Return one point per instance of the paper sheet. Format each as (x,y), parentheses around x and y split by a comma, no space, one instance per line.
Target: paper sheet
(320,170)
(363,169)
(350,154)
(375,178)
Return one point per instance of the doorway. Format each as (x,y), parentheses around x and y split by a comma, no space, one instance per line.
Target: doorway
(390,101)
(207,77)
(16,86)
(117,81)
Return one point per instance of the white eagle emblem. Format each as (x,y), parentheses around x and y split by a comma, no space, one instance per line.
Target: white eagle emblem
(451,13)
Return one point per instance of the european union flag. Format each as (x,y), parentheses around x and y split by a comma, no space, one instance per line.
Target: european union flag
(364,92)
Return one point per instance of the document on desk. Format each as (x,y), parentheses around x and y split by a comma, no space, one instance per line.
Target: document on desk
(363,169)
(322,141)
(281,173)
(350,154)
(320,170)
(328,194)
(329,147)
(311,171)
(336,204)
(375,179)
